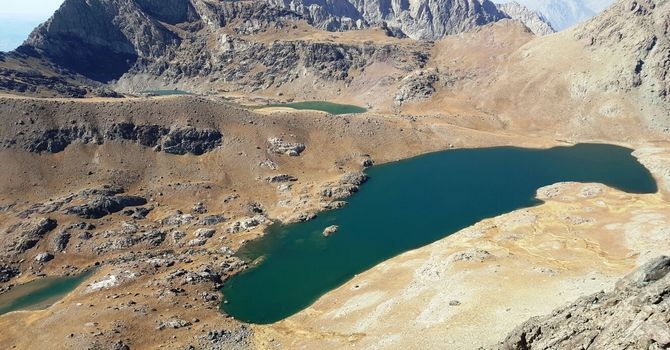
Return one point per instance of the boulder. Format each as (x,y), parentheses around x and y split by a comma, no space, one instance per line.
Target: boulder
(330,230)
(281,178)
(197,242)
(44,257)
(204,233)
(212,220)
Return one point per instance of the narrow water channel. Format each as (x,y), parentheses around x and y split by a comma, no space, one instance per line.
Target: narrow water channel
(41,293)
(328,107)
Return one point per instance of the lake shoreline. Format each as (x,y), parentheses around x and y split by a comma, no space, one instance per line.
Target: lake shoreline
(487,254)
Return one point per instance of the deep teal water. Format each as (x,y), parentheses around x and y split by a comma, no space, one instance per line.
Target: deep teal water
(41,293)
(328,107)
(406,205)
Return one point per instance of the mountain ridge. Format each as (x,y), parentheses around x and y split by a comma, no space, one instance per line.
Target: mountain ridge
(114,41)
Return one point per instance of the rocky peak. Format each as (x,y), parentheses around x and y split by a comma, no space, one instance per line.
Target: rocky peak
(534,20)
(102,39)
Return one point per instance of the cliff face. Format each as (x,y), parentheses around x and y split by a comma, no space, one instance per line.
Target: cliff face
(418,19)
(633,316)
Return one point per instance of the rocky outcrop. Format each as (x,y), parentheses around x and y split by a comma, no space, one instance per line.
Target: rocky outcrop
(239,338)
(8,272)
(176,140)
(211,220)
(348,185)
(417,86)
(190,140)
(105,205)
(533,20)
(30,234)
(62,240)
(279,146)
(247,224)
(281,178)
(633,316)
(354,178)
(421,19)
(56,140)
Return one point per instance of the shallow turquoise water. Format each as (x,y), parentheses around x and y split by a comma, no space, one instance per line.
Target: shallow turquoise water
(329,107)
(406,205)
(41,293)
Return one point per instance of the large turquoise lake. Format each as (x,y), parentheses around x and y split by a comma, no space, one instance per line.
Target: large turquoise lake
(406,205)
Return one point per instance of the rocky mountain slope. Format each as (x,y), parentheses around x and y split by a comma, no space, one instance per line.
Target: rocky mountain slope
(418,19)
(642,40)
(612,68)
(534,20)
(563,14)
(212,46)
(632,316)
(207,46)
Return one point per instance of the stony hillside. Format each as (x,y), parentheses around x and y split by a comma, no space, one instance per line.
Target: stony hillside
(632,316)
(641,39)
(611,70)
(206,46)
